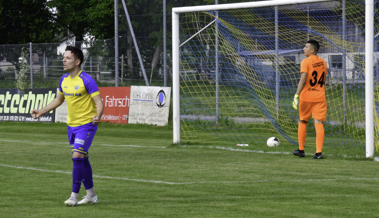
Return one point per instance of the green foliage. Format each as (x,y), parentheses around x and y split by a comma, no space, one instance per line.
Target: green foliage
(21,80)
(24,21)
(71,15)
(100,17)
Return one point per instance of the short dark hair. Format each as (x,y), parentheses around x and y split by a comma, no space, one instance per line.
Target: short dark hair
(315,44)
(78,54)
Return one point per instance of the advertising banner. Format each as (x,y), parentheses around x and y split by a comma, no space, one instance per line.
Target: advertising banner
(116,104)
(149,105)
(61,112)
(15,106)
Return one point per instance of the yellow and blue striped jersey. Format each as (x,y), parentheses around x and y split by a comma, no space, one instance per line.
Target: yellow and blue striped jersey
(78,93)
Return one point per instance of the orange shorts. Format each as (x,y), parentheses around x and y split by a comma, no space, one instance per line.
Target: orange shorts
(317,109)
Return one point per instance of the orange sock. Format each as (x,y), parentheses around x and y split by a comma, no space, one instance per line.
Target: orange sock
(301,134)
(320,134)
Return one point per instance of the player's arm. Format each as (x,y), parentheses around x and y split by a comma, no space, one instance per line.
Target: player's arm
(300,86)
(51,106)
(303,80)
(99,109)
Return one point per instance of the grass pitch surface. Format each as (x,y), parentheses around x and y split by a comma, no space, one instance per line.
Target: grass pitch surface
(138,172)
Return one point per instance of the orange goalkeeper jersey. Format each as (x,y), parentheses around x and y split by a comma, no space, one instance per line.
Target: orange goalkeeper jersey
(314,88)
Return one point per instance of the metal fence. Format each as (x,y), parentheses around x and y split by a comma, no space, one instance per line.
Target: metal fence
(42,62)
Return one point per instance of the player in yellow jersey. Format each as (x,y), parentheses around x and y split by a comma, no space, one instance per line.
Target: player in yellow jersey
(85,108)
(310,96)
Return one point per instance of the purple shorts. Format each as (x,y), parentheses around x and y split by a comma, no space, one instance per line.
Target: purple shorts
(80,137)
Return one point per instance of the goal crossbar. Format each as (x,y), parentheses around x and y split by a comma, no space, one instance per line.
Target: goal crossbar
(231,6)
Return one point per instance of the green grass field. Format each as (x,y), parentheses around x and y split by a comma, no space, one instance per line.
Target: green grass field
(138,172)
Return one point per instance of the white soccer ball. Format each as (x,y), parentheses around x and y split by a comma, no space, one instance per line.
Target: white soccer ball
(273,142)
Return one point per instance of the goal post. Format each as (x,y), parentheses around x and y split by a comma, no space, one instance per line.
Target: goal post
(369,79)
(282,121)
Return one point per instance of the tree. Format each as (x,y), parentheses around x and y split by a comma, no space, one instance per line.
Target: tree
(24,21)
(100,17)
(71,15)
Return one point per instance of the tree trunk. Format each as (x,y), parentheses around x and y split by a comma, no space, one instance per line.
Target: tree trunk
(157,55)
(156,58)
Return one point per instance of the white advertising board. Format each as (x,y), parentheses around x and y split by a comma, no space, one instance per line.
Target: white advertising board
(149,105)
(61,112)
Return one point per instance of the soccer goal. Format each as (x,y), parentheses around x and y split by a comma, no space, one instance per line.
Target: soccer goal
(236,68)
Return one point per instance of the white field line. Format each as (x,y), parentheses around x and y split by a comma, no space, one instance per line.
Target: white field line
(66,143)
(184,146)
(189,183)
(133,146)
(31,142)
(266,152)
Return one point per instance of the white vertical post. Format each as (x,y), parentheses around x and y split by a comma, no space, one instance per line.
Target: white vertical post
(175,78)
(344,60)
(164,45)
(116,42)
(217,67)
(277,75)
(369,76)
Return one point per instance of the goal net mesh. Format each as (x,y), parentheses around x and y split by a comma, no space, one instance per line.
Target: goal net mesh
(239,70)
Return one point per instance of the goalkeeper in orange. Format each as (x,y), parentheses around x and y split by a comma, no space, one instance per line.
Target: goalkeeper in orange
(310,97)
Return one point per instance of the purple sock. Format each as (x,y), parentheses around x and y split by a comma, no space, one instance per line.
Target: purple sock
(77,174)
(87,176)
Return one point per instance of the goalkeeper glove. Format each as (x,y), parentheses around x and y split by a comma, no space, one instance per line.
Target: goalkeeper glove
(295,101)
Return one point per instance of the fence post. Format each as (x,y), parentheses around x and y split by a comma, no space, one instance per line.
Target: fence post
(122,68)
(44,65)
(31,64)
(98,72)
(90,65)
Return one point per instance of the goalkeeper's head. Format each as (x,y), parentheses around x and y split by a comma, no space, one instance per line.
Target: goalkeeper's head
(315,45)
(77,52)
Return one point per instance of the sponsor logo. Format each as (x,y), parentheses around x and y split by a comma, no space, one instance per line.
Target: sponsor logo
(313,90)
(72,94)
(110,117)
(79,141)
(17,103)
(111,101)
(143,95)
(44,118)
(160,100)
(319,64)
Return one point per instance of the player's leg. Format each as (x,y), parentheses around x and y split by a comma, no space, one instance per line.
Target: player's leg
(319,116)
(88,134)
(77,167)
(77,171)
(88,182)
(302,133)
(304,114)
